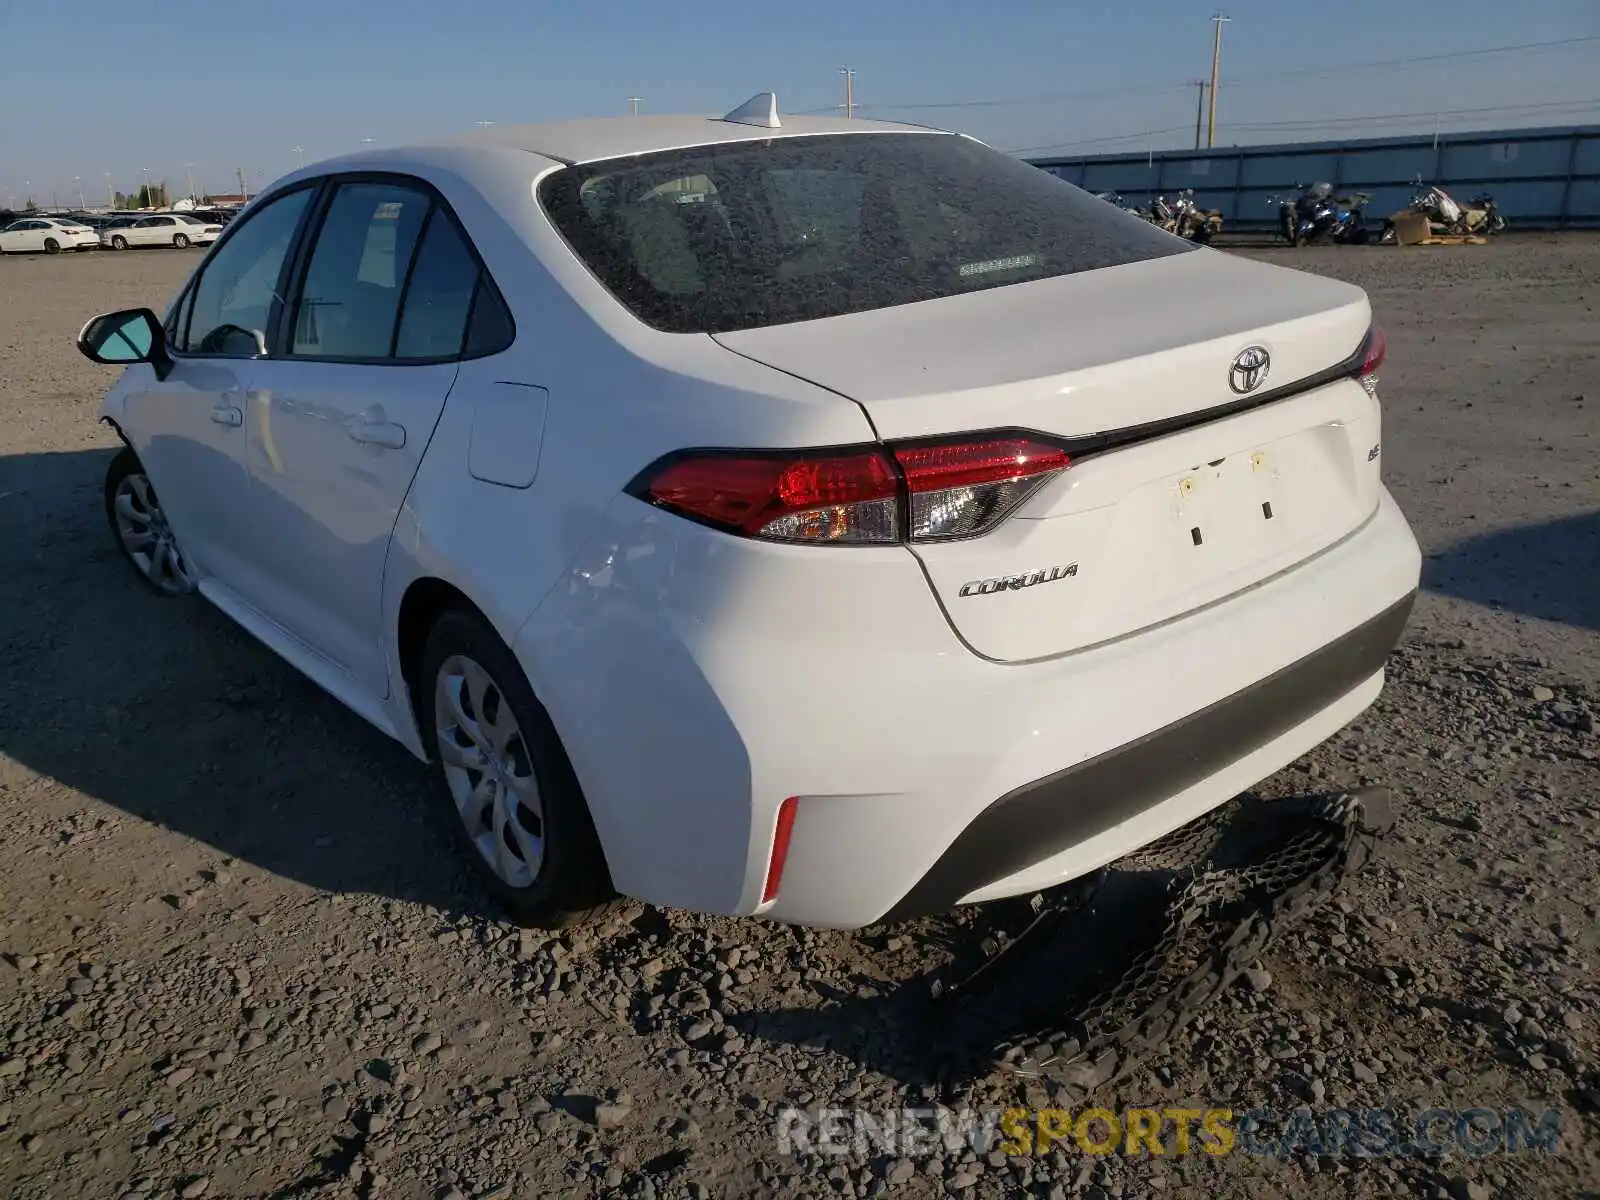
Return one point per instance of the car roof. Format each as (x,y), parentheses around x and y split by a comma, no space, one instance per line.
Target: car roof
(595,138)
(588,140)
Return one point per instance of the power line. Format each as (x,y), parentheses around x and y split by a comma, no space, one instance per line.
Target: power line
(1121,137)
(1317,122)
(1236,81)
(1438,112)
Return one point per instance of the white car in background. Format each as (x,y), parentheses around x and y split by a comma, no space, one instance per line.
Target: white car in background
(200,232)
(893,526)
(49,235)
(161,229)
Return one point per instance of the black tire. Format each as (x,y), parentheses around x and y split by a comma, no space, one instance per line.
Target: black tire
(118,242)
(573,884)
(124,466)
(180,241)
(51,246)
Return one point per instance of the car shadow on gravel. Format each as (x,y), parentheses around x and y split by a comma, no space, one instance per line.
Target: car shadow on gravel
(1548,570)
(165,710)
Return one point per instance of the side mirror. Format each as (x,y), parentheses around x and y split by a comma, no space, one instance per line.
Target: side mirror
(119,339)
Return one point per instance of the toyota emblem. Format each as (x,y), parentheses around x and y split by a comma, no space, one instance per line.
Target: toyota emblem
(1249,370)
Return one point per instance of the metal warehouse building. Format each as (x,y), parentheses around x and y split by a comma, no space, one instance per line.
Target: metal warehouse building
(1540,177)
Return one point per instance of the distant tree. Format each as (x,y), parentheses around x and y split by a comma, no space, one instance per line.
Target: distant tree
(31,206)
(151,196)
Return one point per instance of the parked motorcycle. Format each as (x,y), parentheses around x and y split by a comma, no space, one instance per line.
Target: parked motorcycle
(1183,217)
(1316,214)
(1116,199)
(1493,220)
(1159,213)
(1193,222)
(1480,217)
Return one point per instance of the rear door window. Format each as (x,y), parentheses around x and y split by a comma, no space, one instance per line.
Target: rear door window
(349,303)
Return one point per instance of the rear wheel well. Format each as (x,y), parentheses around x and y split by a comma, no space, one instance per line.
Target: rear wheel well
(425,600)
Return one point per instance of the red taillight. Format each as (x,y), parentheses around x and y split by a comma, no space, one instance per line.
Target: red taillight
(917,492)
(965,488)
(1373,351)
(780,848)
(836,497)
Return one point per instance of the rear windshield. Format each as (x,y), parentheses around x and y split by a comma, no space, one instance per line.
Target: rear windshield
(718,238)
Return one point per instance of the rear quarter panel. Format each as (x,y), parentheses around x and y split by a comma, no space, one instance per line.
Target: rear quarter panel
(612,405)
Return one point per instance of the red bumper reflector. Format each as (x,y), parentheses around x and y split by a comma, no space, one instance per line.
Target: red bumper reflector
(780,848)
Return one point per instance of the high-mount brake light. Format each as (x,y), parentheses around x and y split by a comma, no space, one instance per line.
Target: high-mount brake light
(914,492)
(1373,351)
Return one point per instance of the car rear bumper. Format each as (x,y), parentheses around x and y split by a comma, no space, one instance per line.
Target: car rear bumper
(1051,822)
(698,681)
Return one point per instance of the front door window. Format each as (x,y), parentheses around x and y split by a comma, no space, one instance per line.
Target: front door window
(233,303)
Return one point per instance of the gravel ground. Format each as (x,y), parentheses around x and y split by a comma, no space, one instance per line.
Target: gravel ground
(238,963)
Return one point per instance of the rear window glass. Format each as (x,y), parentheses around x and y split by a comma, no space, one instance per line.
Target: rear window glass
(718,238)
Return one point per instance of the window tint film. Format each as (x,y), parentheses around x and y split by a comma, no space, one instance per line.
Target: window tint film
(233,301)
(440,293)
(713,239)
(351,297)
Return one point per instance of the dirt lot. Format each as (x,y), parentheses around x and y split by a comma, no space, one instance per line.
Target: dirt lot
(238,962)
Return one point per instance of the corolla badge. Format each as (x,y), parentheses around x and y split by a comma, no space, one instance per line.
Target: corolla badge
(1249,369)
(1015,583)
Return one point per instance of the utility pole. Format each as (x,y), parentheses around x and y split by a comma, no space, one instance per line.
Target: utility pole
(849,93)
(1218,20)
(633,106)
(299,153)
(243,191)
(111,193)
(78,179)
(189,168)
(149,197)
(1199,111)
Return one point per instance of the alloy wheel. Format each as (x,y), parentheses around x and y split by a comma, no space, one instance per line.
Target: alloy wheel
(148,538)
(489,771)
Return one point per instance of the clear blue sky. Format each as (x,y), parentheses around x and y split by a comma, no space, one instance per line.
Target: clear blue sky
(96,86)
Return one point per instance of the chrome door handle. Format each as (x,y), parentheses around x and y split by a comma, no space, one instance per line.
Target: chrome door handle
(379,433)
(226,414)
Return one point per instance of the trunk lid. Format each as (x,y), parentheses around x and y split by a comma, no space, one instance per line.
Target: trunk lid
(1170,519)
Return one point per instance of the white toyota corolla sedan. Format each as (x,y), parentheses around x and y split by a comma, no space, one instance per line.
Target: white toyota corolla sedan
(820,519)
